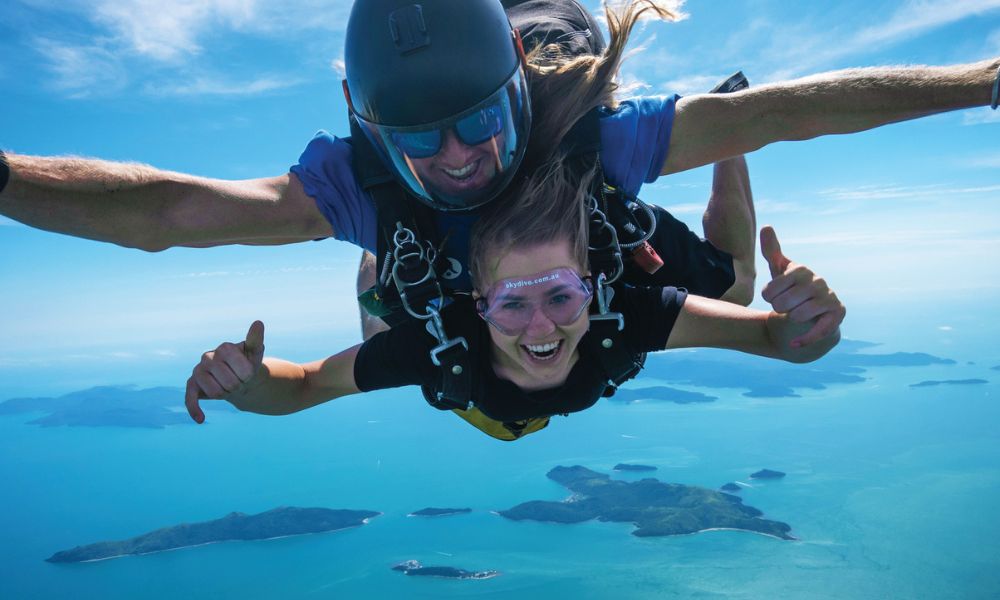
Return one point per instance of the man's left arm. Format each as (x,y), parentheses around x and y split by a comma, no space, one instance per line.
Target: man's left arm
(711,127)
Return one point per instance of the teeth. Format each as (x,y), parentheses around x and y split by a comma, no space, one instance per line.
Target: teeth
(543,347)
(459,173)
(543,351)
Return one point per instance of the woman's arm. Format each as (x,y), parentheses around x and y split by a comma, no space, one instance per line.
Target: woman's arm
(804,325)
(240,374)
(711,127)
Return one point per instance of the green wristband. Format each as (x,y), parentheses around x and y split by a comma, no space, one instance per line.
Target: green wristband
(5,171)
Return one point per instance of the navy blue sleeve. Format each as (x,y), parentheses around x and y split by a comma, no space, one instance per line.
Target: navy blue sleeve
(325,172)
(635,139)
(650,314)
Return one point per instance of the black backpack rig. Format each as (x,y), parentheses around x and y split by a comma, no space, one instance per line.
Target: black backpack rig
(409,260)
(409,243)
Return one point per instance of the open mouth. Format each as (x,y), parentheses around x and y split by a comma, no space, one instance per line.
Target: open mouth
(465,173)
(543,352)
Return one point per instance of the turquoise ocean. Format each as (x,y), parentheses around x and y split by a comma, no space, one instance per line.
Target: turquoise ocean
(891,490)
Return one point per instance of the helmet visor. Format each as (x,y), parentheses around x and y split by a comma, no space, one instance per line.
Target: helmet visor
(511,304)
(461,162)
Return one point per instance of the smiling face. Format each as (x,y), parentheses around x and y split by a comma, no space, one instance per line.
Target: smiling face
(458,169)
(542,355)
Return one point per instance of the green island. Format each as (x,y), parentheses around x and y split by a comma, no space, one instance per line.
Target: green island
(413,568)
(933,382)
(655,508)
(438,512)
(635,468)
(767,474)
(278,522)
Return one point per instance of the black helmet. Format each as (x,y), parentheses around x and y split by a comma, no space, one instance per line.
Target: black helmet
(438,88)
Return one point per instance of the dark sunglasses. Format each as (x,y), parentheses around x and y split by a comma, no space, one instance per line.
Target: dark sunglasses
(472,130)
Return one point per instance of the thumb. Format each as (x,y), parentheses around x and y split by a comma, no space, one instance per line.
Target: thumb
(771,249)
(253,347)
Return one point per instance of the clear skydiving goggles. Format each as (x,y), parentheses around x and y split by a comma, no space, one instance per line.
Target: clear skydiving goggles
(511,304)
(502,120)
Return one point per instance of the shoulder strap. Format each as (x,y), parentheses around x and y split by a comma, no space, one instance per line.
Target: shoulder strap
(619,365)
(393,207)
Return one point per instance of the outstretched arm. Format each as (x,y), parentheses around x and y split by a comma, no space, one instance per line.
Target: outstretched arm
(711,127)
(137,206)
(804,325)
(730,223)
(240,374)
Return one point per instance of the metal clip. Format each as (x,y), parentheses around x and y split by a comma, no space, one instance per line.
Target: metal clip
(599,225)
(604,295)
(436,328)
(404,259)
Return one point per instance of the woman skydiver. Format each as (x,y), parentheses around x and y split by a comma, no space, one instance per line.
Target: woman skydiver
(526,325)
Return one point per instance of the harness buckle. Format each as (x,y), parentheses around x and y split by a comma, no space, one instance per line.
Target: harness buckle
(604,295)
(410,255)
(436,328)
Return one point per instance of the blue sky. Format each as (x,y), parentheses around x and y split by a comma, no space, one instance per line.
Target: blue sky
(903,221)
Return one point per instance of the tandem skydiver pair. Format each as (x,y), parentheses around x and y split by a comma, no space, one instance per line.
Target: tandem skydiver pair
(641,138)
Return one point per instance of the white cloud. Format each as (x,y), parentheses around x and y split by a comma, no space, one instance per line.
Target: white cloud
(980,116)
(692,84)
(339,67)
(685,209)
(876,192)
(82,70)
(993,41)
(811,50)
(206,86)
(164,33)
(149,28)
(990,161)
(917,17)
(924,237)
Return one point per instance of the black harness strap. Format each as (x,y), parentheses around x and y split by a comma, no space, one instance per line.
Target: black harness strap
(407,283)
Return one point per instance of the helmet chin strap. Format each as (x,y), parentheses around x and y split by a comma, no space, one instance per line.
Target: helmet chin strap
(516,33)
(347,95)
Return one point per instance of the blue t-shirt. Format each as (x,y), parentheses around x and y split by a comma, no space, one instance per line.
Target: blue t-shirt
(634,142)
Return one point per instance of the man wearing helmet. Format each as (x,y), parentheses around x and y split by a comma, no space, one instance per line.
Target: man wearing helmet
(325,196)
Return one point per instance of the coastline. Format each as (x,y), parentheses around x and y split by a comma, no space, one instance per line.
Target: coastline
(277,537)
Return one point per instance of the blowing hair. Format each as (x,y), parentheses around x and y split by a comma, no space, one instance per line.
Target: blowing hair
(565,87)
(548,206)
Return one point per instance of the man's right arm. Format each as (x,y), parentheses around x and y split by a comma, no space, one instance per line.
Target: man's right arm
(137,206)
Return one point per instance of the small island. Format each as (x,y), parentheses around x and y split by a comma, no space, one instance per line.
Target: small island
(655,508)
(279,522)
(414,568)
(660,393)
(110,406)
(730,487)
(767,474)
(932,382)
(438,512)
(638,468)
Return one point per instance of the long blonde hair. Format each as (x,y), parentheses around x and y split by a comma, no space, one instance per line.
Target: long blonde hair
(545,207)
(548,204)
(566,87)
